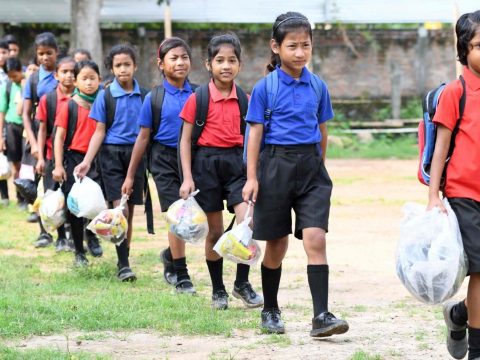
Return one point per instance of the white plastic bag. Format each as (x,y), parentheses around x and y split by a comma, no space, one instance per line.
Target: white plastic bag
(86,198)
(52,209)
(5,171)
(187,220)
(111,225)
(431,262)
(237,244)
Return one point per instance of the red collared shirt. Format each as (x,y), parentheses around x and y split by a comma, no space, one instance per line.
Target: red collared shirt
(463,169)
(222,128)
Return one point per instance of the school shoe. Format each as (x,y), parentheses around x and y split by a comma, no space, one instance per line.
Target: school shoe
(457,348)
(272,322)
(220,300)
(43,240)
(33,218)
(246,293)
(185,287)
(61,245)
(94,246)
(81,259)
(168,270)
(125,274)
(326,324)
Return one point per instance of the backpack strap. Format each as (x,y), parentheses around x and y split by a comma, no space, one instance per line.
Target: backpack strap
(316,84)
(8,91)
(271,84)
(51,100)
(72,123)
(243,105)
(156,99)
(201,97)
(110,107)
(34,79)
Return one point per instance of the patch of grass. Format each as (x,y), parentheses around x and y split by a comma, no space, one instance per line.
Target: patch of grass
(362,355)
(420,335)
(277,339)
(360,308)
(7,353)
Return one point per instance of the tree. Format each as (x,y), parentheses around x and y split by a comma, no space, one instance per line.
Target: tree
(85,28)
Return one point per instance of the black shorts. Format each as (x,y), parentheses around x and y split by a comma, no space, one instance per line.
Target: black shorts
(48,182)
(113,161)
(14,142)
(468,216)
(291,177)
(165,172)
(219,174)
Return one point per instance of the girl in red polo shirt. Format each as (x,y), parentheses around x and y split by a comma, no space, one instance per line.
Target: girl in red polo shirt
(216,165)
(87,81)
(462,187)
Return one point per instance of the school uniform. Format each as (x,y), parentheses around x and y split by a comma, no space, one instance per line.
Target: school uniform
(116,151)
(292,174)
(163,155)
(463,169)
(13,124)
(217,164)
(41,116)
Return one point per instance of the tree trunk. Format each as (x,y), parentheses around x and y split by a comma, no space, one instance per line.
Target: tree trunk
(85,29)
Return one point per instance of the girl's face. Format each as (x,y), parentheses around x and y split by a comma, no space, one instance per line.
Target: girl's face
(87,81)
(65,75)
(225,66)
(123,68)
(176,64)
(295,52)
(47,57)
(473,56)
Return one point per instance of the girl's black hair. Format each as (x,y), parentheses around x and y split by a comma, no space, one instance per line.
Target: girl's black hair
(11,39)
(172,43)
(85,64)
(284,24)
(83,52)
(3,45)
(120,49)
(467,26)
(46,39)
(63,60)
(13,64)
(226,39)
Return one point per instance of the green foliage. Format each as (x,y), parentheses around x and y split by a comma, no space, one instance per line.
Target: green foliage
(362,355)
(7,353)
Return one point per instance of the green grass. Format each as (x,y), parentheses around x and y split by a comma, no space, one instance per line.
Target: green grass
(7,353)
(362,355)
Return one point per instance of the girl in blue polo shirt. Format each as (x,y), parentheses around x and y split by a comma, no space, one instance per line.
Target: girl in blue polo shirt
(174,62)
(292,174)
(113,140)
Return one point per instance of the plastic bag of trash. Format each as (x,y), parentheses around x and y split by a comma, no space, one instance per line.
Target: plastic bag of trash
(86,198)
(111,225)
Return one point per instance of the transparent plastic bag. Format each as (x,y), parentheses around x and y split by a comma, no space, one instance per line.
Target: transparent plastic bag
(111,225)
(237,244)
(86,198)
(431,262)
(187,220)
(5,171)
(52,209)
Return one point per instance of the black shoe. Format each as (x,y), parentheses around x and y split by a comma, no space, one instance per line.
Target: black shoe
(326,324)
(246,293)
(81,259)
(168,270)
(43,240)
(185,287)
(94,246)
(33,218)
(61,245)
(272,322)
(220,300)
(126,274)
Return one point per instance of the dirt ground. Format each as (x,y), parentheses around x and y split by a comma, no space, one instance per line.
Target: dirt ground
(384,319)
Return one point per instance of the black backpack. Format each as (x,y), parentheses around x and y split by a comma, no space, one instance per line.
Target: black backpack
(34,80)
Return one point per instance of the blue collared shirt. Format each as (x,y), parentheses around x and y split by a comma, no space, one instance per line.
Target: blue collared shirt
(124,129)
(170,122)
(297,112)
(46,83)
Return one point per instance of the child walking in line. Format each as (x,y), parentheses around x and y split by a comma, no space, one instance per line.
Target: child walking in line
(116,111)
(37,85)
(74,129)
(4,54)
(215,166)
(461,186)
(159,126)
(292,173)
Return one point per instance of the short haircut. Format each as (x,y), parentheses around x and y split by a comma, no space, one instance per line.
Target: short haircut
(117,50)
(46,39)
(467,26)
(13,64)
(85,64)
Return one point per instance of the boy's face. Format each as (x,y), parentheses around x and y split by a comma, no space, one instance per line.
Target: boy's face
(3,56)
(47,56)
(295,51)
(473,56)
(65,75)
(15,76)
(13,50)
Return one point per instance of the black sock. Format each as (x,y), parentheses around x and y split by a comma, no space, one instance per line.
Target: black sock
(215,268)
(318,283)
(90,235)
(4,187)
(459,313)
(270,285)
(61,232)
(42,229)
(76,229)
(180,266)
(473,343)
(242,274)
(122,253)
(168,254)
